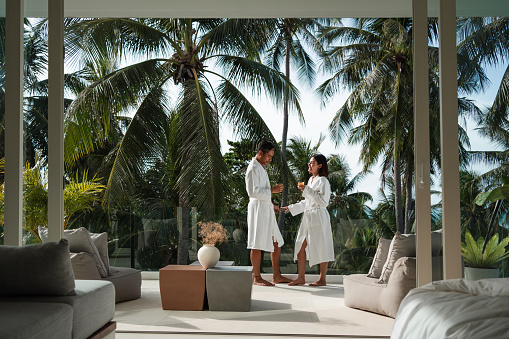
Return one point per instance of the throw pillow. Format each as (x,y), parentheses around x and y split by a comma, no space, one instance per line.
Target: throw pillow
(402,245)
(36,270)
(80,241)
(380,258)
(101,242)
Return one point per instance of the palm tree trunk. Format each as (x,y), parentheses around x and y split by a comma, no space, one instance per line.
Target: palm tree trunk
(284,198)
(183,245)
(408,192)
(400,226)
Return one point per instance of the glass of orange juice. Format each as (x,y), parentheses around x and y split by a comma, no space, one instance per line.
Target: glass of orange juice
(300,184)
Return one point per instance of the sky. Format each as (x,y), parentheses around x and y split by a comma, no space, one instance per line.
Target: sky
(318,119)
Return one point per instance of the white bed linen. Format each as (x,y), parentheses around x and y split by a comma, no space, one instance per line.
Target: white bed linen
(455,308)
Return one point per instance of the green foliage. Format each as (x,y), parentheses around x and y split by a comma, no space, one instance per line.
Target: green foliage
(498,193)
(79,196)
(495,252)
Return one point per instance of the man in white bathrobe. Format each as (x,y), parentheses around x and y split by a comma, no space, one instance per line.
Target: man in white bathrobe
(263,232)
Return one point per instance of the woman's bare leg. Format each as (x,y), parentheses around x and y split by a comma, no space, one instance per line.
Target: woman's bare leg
(323,273)
(301,265)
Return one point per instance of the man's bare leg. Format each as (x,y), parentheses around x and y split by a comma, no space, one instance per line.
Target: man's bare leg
(277,278)
(323,273)
(256,261)
(301,266)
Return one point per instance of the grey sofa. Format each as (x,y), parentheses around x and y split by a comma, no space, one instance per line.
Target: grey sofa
(90,261)
(39,297)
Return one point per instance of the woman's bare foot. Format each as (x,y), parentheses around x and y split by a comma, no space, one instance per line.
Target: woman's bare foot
(298,281)
(261,282)
(280,279)
(318,283)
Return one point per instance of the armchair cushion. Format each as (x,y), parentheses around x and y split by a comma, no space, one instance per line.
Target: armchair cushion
(380,258)
(101,242)
(36,270)
(80,240)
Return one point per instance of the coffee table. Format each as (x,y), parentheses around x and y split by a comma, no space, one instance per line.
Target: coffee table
(229,288)
(182,287)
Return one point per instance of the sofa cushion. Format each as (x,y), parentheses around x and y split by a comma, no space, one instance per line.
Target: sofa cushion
(40,269)
(37,320)
(93,306)
(84,267)
(101,242)
(127,283)
(402,245)
(80,241)
(380,258)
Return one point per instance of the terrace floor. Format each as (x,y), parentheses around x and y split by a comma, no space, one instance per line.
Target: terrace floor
(276,312)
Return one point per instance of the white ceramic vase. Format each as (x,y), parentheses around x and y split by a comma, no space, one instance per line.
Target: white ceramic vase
(208,255)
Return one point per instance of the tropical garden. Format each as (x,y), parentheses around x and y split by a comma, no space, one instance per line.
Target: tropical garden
(146,101)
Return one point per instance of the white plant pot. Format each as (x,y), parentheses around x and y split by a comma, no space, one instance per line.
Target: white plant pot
(473,273)
(208,256)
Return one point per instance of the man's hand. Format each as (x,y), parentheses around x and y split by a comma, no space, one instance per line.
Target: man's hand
(276,209)
(277,189)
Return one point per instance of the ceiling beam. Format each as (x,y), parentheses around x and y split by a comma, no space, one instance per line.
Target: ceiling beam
(256,9)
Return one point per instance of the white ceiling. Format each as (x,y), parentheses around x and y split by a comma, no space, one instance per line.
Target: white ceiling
(256,8)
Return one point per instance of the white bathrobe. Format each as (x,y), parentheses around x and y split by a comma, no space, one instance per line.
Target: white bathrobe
(315,226)
(261,221)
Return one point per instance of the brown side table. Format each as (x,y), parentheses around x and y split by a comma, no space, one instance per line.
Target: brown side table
(182,287)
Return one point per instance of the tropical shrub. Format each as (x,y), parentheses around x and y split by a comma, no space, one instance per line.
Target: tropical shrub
(472,251)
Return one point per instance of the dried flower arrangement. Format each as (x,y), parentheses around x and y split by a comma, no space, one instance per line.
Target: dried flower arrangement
(212,233)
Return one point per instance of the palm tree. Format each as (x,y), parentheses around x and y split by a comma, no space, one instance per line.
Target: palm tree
(374,61)
(345,202)
(177,54)
(286,39)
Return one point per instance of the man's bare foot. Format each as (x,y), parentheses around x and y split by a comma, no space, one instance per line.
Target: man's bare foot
(281,280)
(318,283)
(261,282)
(298,281)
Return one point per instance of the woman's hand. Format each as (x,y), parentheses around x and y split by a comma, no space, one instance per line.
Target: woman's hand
(285,209)
(301,186)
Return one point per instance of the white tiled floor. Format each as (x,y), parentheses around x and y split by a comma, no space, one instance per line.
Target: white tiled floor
(276,312)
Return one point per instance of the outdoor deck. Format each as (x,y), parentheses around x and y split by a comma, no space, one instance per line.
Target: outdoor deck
(276,312)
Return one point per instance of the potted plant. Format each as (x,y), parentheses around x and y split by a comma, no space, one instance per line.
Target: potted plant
(212,233)
(482,264)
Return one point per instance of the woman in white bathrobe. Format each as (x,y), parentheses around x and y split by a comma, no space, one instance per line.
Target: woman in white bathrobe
(314,239)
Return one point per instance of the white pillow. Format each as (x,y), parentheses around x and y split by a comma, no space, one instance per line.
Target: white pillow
(79,241)
(380,258)
(402,245)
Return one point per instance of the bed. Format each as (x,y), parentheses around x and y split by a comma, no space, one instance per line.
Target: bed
(455,308)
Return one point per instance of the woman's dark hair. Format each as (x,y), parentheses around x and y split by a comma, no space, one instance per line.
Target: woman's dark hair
(265,146)
(322,160)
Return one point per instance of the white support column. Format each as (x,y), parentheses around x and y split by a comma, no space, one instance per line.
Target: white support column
(13,215)
(55,119)
(449,140)
(421,141)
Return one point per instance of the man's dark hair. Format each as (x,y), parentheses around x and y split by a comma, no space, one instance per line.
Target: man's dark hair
(265,146)
(322,160)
